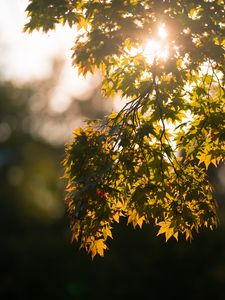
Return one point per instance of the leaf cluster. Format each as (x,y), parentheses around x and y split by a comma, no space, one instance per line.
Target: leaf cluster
(129,164)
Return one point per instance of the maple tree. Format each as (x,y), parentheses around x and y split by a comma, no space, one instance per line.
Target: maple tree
(149,160)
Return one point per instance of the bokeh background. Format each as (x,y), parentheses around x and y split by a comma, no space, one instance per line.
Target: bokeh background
(41,100)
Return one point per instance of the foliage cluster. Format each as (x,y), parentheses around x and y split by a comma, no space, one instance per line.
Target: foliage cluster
(148,161)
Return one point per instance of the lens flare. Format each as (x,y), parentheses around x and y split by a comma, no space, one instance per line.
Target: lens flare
(157,47)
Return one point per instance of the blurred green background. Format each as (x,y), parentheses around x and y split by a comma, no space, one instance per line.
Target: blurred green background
(37,258)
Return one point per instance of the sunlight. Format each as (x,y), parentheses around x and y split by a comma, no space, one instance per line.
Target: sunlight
(133,51)
(154,49)
(162,32)
(157,48)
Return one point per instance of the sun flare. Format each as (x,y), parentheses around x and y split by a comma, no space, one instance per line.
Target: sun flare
(157,47)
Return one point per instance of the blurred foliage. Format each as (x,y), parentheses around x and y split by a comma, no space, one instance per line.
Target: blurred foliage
(127,164)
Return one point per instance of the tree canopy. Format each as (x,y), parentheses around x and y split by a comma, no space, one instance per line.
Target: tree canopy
(149,161)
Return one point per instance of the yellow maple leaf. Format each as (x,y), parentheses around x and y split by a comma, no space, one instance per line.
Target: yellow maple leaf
(205,158)
(100,246)
(140,221)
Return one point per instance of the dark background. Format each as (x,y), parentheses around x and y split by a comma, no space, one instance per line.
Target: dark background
(37,259)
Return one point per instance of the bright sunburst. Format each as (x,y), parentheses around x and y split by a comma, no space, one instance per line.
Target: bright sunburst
(157,47)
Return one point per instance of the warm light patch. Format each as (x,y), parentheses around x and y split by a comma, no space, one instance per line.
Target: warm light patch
(162,32)
(157,47)
(155,50)
(134,51)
